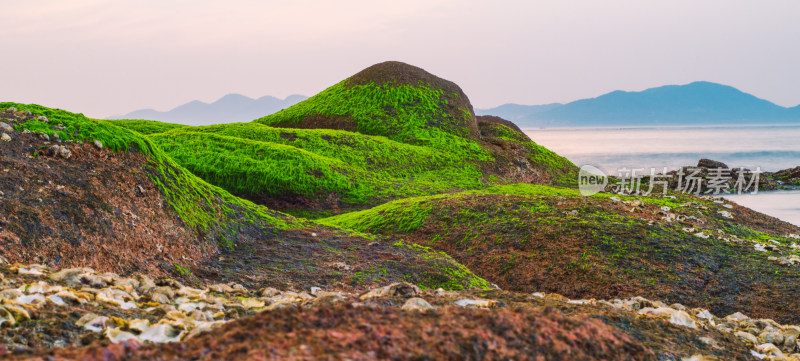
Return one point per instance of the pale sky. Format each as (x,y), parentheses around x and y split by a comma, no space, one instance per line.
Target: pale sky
(103,57)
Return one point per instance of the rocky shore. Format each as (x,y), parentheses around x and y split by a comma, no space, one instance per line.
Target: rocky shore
(81,314)
(788,177)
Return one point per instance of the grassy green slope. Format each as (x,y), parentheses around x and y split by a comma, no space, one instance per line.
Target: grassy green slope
(199,204)
(515,145)
(374,153)
(253,160)
(144,126)
(695,251)
(404,113)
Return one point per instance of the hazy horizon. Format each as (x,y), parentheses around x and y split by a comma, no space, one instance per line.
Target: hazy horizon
(110,58)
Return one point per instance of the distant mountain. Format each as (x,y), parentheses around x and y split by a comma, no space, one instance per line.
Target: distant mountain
(698,103)
(231,108)
(517,112)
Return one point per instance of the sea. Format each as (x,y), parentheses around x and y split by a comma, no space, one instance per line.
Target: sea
(766,147)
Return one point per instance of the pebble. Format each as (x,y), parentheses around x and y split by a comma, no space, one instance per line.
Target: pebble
(220,288)
(735,317)
(678,306)
(145,282)
(329,297)
(475,303)
(93,280)
(269,292)
(161,333)
(92,322)
(748,337)
(771,337)
(5,127)
(402,289)
(116,335)
(416,304)
(790,342)
(769,350)
(705,314)
(127,283)
(98,144)
(700,358)
(5,137)
(6,317)
(72,276)
(61,151)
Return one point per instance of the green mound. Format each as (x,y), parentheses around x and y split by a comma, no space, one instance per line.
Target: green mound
(200,205)
(345,168)
(391,131)
(145,127)
(519,159)
(699,252)
(395,100)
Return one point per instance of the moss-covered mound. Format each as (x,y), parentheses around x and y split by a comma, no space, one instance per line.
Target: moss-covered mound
(519,159)
(388,132)
(788,176)
(392,99)
(698,252)
(197,203)
(313,172)
(310,172)
(76,191)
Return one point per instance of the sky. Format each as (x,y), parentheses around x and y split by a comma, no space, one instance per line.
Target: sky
(107,58)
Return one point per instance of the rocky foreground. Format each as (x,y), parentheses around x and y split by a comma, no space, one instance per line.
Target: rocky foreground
(79,314)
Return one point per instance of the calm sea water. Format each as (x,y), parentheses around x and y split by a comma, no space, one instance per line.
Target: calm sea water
(783,205)
(771,148)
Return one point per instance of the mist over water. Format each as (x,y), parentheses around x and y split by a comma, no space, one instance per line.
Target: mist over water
(771,148)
